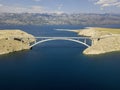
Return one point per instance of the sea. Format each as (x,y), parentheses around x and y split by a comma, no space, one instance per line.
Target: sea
(58,64)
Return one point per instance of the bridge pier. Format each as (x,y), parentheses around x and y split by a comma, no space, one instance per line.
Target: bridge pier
(85,41)
(95,40)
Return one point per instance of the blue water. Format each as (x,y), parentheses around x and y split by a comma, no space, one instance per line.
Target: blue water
(58,65)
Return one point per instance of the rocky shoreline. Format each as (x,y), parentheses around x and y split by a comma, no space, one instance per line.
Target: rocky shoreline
(14,40)
(104,40)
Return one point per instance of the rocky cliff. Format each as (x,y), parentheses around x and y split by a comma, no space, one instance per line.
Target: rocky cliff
(103,40)
(14,40)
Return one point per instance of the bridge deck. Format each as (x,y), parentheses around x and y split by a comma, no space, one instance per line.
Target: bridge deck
(64,37)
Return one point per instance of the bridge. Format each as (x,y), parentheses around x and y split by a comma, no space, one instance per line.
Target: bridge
(80,40)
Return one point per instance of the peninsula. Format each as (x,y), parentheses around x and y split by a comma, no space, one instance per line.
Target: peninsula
(14,40)
(104,40)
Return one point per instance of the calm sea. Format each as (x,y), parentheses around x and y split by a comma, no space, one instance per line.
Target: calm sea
(58,65)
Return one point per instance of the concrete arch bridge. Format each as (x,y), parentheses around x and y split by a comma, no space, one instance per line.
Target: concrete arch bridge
(80,40)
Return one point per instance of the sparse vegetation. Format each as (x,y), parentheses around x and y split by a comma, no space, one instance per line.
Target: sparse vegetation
(10,45)
(104,40)
(109,30)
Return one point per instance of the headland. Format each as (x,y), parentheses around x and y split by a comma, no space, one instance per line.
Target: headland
(14,40)
(104,40)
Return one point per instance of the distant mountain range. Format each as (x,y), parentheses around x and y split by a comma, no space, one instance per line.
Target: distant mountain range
(58,19)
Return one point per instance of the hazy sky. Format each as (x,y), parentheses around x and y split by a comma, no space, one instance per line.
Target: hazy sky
(60,6)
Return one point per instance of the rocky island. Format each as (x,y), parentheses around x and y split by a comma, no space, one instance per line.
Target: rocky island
(104,40)
(14,40)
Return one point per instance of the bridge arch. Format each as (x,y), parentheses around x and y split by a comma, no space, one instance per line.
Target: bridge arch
(51,39)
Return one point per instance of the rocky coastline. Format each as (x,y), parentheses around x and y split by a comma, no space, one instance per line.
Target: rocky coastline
(103,40)
(14,40)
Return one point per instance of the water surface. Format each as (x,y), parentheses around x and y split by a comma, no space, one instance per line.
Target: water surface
(58,65)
